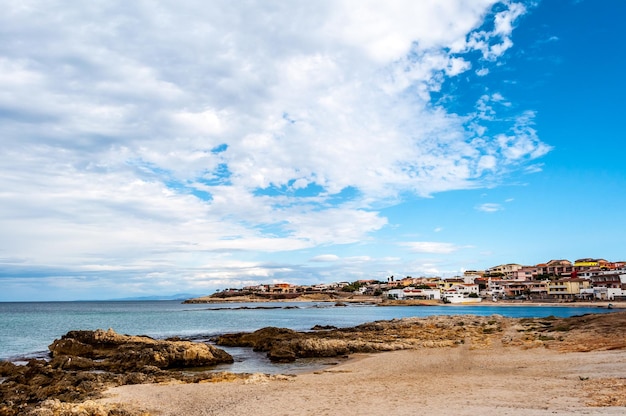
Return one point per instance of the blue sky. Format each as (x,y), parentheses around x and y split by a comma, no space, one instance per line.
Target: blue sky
(181,147)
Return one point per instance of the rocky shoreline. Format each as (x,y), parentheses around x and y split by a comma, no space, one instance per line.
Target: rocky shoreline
(85,363)
(291,297)
(341,298)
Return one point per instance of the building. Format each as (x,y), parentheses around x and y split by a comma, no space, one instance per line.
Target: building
(530,289)
(282,288)
(609,286)
(465,288)
(526,273)
(567,288)
(446,284)
(555,268)
(452,296)
(586,264)
(412,293)
(505,270)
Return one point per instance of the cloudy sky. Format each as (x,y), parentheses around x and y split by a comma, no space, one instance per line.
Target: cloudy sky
(153,148)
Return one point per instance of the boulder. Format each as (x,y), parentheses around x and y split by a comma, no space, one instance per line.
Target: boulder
(108,350)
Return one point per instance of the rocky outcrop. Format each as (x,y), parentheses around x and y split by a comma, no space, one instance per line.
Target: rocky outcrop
(284,345)
(108,350)
(581,333)
(85,362)
(38,388)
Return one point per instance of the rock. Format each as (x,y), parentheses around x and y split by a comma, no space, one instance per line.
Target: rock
(577,333)
(108,350)
(121,359)
(323,327)
(71,346)
(281,355)
(259,340)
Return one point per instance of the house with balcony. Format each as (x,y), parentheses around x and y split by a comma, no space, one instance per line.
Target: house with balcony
(537,289)
(525,273)
(466,288)
(446,284)
(528,289)
(459,296)
(413,293)
(504,270)
(555,268)
(568,288)
(586,264)
(491,287)
(609,286)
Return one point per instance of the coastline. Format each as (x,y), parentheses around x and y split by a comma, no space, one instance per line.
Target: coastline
(374,300)
(338,297)
(617,305)
(451,357)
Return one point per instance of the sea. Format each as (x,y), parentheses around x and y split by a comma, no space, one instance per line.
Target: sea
(27,328)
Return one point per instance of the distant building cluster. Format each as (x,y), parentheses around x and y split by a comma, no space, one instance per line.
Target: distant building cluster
(558,280)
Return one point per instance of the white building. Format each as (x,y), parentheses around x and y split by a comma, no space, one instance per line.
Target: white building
(412,293)
(465,288)
(452,296)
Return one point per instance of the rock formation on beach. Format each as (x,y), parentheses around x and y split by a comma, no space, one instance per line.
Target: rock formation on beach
(581,333)
(85,362)
(49,387)
(108,350)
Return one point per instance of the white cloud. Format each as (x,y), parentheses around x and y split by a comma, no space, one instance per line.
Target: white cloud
(431,247)
(493,43)
(325,258)
(490,207)
(176,132)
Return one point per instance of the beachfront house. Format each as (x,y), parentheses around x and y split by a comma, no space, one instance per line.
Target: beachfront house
(466,289)
(413,293)
(454,296)
(609,286)
(567,288)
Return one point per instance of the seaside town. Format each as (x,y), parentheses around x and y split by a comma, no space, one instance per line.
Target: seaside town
(96,372)
(585,279)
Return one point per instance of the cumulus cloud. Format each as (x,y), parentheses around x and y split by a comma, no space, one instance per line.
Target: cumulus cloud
(160,136)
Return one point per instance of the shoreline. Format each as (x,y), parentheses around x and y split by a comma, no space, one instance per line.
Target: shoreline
(473,364)
(370,300)
(438,381)
(618,305)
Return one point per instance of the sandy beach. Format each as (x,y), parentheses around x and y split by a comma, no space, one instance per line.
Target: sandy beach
(438,381)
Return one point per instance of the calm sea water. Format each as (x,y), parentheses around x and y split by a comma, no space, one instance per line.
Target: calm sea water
(26,329)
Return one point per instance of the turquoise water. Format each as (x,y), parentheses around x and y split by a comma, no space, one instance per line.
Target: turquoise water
(26,329)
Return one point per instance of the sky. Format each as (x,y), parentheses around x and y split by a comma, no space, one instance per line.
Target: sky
(155,148)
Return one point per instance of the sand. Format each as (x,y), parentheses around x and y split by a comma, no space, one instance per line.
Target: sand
(445,381)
